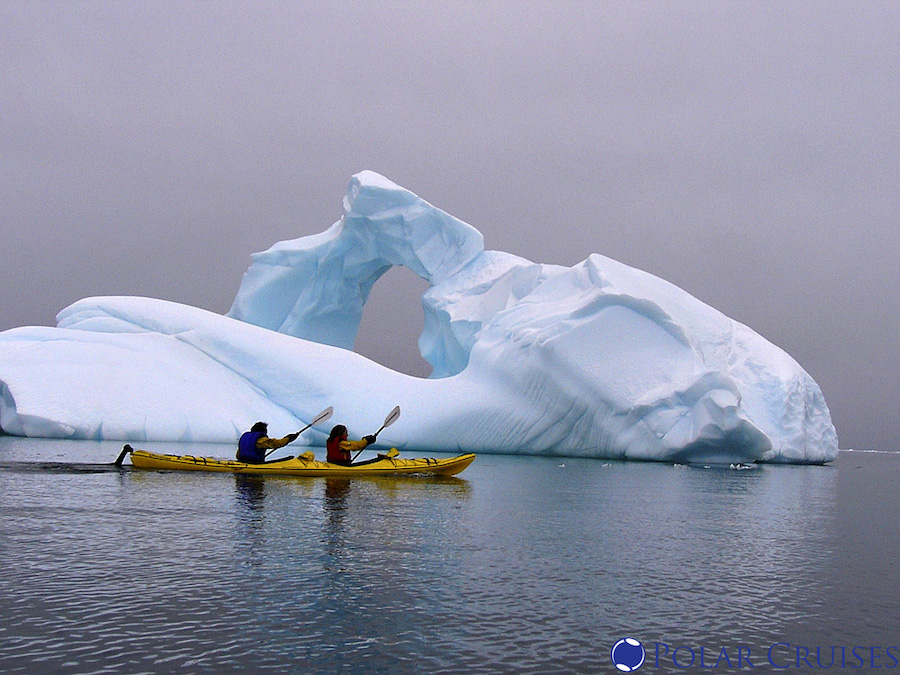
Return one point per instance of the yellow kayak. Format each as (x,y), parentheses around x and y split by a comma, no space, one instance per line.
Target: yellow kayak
(304,465)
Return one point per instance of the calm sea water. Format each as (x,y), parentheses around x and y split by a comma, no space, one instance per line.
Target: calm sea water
(519,565)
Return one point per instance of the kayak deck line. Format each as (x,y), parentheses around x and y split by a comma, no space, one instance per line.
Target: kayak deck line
(303,465)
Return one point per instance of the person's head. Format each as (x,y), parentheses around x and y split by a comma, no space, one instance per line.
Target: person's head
(339,431)
(260,427)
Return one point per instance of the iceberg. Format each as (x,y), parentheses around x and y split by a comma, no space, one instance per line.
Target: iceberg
(595,360)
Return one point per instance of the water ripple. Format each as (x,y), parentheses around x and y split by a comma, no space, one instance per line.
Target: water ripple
(519,568)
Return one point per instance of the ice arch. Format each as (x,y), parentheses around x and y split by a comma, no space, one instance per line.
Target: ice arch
(315,287)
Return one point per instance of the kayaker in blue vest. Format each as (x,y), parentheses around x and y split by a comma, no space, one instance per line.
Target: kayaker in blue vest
(339,448)
(254,443)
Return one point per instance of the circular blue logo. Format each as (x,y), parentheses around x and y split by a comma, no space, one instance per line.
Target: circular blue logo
(628,654)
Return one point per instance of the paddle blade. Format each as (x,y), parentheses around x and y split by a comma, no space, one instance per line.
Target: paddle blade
(121,458)
(391,418)
(322,416)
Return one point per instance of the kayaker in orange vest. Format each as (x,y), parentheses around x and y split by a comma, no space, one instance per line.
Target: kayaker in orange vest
(339,448)
(254,443)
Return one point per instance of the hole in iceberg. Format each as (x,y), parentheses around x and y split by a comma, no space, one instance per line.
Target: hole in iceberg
(392,321)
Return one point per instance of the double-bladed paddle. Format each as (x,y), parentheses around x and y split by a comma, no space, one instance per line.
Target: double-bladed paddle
(321,417)
(388,421)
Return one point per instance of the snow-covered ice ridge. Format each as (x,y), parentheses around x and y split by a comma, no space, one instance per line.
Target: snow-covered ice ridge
(594,360)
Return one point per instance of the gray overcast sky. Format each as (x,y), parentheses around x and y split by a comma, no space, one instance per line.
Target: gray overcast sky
(748,152)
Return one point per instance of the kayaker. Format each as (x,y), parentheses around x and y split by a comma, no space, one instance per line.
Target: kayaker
(253,444)
(339,448)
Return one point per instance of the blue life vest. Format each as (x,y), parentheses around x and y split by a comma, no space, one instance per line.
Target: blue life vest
(247,450)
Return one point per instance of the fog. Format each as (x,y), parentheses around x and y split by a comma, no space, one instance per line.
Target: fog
(747,152)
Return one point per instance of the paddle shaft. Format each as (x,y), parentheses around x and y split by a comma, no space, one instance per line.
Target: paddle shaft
(321,417)
(388,421)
